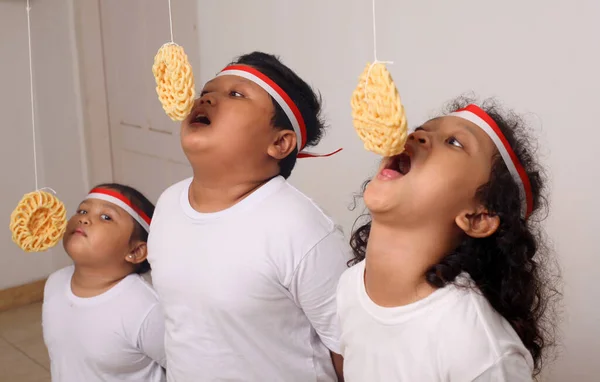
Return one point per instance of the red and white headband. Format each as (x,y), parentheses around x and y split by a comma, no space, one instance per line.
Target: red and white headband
(283,100)
(120,200)
(476,115)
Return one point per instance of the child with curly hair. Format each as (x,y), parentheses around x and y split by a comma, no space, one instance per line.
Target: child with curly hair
(447,282)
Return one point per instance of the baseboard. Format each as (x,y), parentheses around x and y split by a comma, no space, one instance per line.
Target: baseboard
(22,295)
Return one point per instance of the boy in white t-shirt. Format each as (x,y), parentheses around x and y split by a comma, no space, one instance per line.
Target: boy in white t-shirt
(246,266)
(447,283)
(101,320)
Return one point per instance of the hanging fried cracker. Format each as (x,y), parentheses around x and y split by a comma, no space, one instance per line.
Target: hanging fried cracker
(40,219)
(174,81)
(38,222)
(377,112)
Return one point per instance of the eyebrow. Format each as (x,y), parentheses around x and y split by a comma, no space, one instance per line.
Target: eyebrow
(470,129)
(465,126)
(112,208)
(474,144)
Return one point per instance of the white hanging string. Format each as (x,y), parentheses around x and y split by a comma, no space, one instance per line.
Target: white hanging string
(171,22)
(374,33)
(32,97)
(375,60)
(49,189)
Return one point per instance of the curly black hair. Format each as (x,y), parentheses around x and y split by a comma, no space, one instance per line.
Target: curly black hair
(141,202)
(309,102)
(513,268)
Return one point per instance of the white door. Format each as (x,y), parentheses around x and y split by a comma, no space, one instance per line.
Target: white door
(146,152)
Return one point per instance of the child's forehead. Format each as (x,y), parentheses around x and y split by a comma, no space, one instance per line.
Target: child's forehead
(448,121)
(102,204)
(455,125)
(229,79)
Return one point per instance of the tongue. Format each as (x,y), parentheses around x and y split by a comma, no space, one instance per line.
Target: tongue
(389,174)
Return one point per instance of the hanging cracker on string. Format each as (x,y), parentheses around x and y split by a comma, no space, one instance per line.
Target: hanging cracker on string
(174,81)
(377,112)
(40,219)
(38,222)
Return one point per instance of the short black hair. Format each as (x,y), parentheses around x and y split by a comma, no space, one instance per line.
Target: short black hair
(140,201)
(306,99)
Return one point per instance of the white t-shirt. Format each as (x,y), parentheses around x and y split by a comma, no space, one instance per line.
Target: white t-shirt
(116,336)
(453,335)
(248,292)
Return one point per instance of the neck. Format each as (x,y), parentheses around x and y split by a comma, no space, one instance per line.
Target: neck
(397,261)
(216,195)
(91,281)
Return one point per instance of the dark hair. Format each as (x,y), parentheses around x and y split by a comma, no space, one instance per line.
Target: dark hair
(141,202)
(511,268)
(305,98)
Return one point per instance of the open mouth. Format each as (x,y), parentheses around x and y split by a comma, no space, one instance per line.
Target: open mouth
(200,119)
(399,163)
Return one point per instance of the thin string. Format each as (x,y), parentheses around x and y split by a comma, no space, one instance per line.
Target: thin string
(374,33)
(32,98)
(49,189)
(375,60)
(170,21)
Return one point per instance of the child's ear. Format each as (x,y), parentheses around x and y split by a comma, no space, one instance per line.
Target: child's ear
(138,253)
(283,144)
(478,223)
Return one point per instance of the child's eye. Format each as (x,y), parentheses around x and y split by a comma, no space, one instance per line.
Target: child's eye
(105,217)
(454,142)
(233,93)
(81,212)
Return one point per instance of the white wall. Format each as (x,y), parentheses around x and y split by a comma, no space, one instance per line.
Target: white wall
(537,56)
(58,121)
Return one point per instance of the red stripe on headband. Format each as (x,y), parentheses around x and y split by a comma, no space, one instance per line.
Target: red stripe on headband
(305,154)
(279,91)
(122,198)
(520,169)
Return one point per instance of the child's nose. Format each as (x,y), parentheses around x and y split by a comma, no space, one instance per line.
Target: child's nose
(421,138)
(208,99)
(84,220)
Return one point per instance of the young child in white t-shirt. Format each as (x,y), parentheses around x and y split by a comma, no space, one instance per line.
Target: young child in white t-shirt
(247,266)
(447,282)
(101,319)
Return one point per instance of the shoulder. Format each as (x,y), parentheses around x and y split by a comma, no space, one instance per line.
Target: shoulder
(173,193)
(293,209)
(348,284)
(58,281)
(473,313)
(476,337)
(169,202)
(137,301)
(351,277)
(140,293)
(512,366)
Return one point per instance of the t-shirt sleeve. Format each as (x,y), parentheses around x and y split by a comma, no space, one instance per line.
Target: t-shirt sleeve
(512,367)
(151,337)
(314,286)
